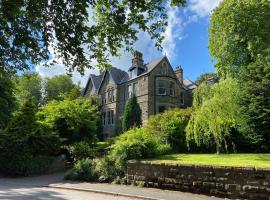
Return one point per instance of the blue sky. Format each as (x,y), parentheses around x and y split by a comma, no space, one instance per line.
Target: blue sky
(185,44)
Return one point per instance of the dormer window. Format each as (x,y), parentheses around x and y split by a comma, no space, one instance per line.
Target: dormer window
(164,68)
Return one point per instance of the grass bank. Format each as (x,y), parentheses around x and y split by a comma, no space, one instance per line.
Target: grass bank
(234,160)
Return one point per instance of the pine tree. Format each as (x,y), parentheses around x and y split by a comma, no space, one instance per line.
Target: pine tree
(132,114)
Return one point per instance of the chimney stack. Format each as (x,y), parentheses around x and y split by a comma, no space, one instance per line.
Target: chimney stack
(179,74)
(137,60)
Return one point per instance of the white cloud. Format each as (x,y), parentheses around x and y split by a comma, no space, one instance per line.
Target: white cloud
(203,8)
(173,31)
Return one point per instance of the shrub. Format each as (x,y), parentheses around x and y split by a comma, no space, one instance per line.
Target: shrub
(136,143)
(81,150)
(73,120)
(132,114)
(25,146)
(84,170)
(170,127)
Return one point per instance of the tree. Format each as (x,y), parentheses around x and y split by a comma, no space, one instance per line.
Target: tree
(78,32)
(58,87)
(26,147)
(7,99)
(217,111)
(256,100)
(239,34)
(208,76)
(239,43)
(132,114)
(28,86)
(73,120)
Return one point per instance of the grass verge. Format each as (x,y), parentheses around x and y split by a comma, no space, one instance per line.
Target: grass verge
(234,160)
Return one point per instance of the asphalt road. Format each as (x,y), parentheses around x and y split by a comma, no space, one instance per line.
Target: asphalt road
(54,187)
(42,193)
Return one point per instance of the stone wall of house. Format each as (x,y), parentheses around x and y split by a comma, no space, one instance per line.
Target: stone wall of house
(156,100)
(234,183)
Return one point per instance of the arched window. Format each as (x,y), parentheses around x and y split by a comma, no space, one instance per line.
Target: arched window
(164,68)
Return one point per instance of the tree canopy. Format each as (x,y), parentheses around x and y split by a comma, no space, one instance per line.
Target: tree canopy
(28,86)
(239,34)
(7,99)
(240,44)
(78,32)
(217,111)
(60,87)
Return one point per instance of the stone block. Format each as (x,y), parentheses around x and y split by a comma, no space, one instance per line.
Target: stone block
(232,187)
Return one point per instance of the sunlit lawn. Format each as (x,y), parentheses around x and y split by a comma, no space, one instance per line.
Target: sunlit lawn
(237,160)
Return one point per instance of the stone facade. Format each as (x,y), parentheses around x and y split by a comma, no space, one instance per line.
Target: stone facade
(156,85)
(229,182)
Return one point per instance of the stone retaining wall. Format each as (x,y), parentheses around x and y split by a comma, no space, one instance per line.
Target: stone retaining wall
(230,182)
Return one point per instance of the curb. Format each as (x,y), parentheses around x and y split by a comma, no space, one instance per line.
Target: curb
(104,192)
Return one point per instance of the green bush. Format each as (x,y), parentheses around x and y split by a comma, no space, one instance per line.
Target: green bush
(132,114)
(170,127)
(24,164)
(136,143)
(74,120)
(84,170)
(81,150)
(26,148)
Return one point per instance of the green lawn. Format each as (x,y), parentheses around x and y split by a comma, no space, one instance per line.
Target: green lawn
(236,160)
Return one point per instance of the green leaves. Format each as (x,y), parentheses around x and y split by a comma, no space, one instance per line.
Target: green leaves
(74,120)
(217,111)
(132,114)
(239,34)
(78,32)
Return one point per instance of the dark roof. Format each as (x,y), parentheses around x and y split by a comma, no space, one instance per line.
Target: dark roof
(119,76)
(96,81)
(188,84)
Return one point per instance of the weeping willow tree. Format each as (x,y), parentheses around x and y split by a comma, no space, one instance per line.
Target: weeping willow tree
(216,111)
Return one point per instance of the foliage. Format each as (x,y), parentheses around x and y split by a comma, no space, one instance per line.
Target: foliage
(25,146)
(30,29)
(84,170)
(28,86)
(7,99)
(216,112)
(136,143)
(239,43)
(74,120)
(24,164)
(256,101)
(170,127)
(238,34)
(132,116)
(206,77)
(81,150)
(59,87)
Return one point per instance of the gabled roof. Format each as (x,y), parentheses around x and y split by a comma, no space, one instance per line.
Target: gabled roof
(95,80)
(119,76)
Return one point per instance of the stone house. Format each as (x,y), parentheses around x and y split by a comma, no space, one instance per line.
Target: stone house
(156,85)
